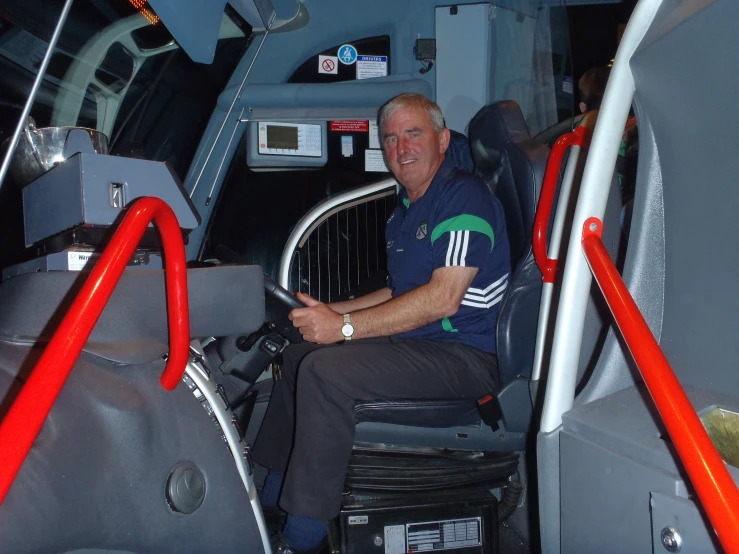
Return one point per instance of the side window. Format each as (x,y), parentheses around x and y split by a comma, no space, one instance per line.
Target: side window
(368,58)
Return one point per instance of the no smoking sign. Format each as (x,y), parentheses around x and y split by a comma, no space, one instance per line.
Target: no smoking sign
(328,65)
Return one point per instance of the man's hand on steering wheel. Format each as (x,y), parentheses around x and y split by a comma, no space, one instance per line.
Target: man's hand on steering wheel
(317,322)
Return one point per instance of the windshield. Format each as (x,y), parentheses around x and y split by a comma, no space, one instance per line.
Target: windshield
(116,69)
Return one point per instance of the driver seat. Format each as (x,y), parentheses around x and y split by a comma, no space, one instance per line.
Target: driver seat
(512,163)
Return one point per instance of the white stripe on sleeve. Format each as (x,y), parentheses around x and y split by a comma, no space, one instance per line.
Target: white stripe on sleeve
(464,248)
(450,248)
(455,257)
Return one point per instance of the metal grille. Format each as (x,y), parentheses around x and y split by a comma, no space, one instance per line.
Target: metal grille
(343,248)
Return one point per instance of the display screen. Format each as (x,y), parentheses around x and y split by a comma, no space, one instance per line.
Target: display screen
(283,138)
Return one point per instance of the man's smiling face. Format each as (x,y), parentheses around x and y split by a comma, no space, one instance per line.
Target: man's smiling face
(413,148)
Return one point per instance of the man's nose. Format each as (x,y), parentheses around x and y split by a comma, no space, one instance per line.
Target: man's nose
(403,145)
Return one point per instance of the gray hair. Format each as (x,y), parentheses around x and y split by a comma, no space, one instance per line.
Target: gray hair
(411,100)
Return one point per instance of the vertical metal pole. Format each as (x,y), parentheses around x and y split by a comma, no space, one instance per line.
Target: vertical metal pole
(34,90)
(554,244)
(228,113)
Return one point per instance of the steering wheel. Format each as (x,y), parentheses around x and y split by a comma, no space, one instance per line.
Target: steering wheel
(278,305)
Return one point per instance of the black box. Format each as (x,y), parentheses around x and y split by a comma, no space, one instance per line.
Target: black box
(425,49)
(463,522)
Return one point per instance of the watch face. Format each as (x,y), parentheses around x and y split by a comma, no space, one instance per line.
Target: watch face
(347,330)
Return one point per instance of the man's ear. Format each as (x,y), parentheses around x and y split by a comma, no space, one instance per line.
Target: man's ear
(444,137)
(583,107)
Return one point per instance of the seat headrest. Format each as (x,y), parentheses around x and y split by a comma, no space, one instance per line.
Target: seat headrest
(491,130)
(459,151)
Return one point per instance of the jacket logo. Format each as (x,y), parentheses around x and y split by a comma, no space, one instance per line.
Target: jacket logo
(421,231)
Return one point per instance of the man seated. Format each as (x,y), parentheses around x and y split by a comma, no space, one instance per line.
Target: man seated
(430,334)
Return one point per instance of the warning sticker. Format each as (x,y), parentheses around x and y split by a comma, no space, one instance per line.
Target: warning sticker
(395,539)
(328,65)
(443,535)
(374,135)
(350,126)
(374,161)
(567,85)
(76,261)
(369,67)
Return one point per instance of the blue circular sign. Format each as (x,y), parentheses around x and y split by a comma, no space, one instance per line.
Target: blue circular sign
(347,54)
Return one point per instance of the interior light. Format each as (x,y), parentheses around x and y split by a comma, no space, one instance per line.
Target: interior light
(142,6)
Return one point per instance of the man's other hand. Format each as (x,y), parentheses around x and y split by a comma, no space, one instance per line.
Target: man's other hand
(317,322)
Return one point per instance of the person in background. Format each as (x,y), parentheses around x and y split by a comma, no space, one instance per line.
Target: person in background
(591,87)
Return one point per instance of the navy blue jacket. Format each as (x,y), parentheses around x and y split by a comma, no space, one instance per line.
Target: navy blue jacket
(457,222)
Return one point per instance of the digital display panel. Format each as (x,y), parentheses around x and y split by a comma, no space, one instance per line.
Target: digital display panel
(286,140)
(282,137)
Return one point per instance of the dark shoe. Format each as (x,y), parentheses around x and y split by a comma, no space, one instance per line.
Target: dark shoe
(274,518)
(281,546)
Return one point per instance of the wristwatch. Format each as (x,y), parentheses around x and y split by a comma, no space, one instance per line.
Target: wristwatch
(348,329)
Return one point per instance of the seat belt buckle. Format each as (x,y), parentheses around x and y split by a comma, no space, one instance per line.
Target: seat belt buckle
(490,411)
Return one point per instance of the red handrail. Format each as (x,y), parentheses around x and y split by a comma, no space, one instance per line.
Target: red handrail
(548,266)
(26,416)
(715,487)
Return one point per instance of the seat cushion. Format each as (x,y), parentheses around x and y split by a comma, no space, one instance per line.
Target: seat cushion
(419,413)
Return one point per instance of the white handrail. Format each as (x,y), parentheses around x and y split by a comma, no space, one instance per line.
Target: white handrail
(596,182)
(547,289)
(322,211)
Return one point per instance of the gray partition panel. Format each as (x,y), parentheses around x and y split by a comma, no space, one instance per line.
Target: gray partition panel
(685,73)
(615,454)
(223,300)
(643,273)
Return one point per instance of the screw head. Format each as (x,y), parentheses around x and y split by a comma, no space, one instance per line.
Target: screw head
(671,539)
(593,227)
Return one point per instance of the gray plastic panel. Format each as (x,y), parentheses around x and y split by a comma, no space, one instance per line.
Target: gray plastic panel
(224,300)
(78,192)
(344,94)
(685,72)
(614,454)
(463,58)
(548,480)
(685,517)
(643,273)
(76,260)
(95,476)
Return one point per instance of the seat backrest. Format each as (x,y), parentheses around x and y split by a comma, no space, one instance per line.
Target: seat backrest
(459,151)
(512,163)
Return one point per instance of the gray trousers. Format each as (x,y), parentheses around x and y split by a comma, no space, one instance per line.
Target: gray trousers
(310,418)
